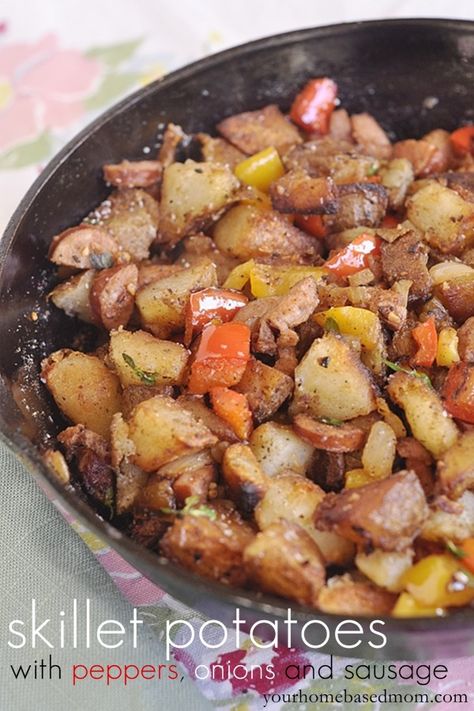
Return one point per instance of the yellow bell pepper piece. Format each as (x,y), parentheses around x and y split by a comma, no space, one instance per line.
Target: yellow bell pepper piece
(353,321)
(261,169)
(447,352)
(357,477)
(266,280)
(429,581)
(407,606)
(239,276)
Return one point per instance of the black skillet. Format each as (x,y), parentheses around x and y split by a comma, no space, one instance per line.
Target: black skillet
(413,75)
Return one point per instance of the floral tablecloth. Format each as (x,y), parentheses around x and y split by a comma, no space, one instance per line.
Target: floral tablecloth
(62,63)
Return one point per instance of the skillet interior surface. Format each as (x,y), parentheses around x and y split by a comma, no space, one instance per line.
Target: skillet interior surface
(389,68)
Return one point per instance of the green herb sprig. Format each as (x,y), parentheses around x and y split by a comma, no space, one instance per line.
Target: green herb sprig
(147,377)
(416,373)
(191,508)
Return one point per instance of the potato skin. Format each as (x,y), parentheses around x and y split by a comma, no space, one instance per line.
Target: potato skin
(162,431)
(371,515)
(252,131)
(213,549)
(243,476)
(455,470)
(84,389)
(266,388)
(424,411)
(284,560)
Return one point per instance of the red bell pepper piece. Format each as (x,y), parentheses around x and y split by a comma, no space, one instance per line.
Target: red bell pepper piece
(211,305)
(234,408)
(458,391)
(467,548)
(462,140)
(312,108)
(221,357)
(355,257)
(426,339)
(312,224)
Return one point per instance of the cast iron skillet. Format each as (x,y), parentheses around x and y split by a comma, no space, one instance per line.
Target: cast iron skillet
(386,67)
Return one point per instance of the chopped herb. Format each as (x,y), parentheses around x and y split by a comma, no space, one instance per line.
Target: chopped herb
(146,376)
(101,260)
(191,508)
(373,170)
(331,421)
(416,373)
(332,325)
(464,576)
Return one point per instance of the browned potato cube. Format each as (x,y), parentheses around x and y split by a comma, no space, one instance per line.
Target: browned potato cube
(84,389)
(387,514)
(266,388)
(211,548)
(298,192)
(284,560)
(72,296)
(457,296)
(253,131)
(456,467)
(243,476)
(344,596)
(162,431)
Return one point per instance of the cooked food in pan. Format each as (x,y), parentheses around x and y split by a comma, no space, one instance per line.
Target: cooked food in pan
(280,395)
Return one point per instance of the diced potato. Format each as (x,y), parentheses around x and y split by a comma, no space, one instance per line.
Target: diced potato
(245,479)
(161,431)
(298,192)
(192,195)
(196,405)
(396,177)
(246,231)
(84,389)
(429,421)
(379,452)
(284,560)
(218,150)
(330,381)
(211,548)
(352,321)
(450,520)
(444,217)
(372,516)
(72,296)
(344,596)
(291,497)
(162,303)
(253,131)
(130,479)
(150,361)
(278,449)
(266,389)
(456,467)
(385,569)
(131,217)
(335,549)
